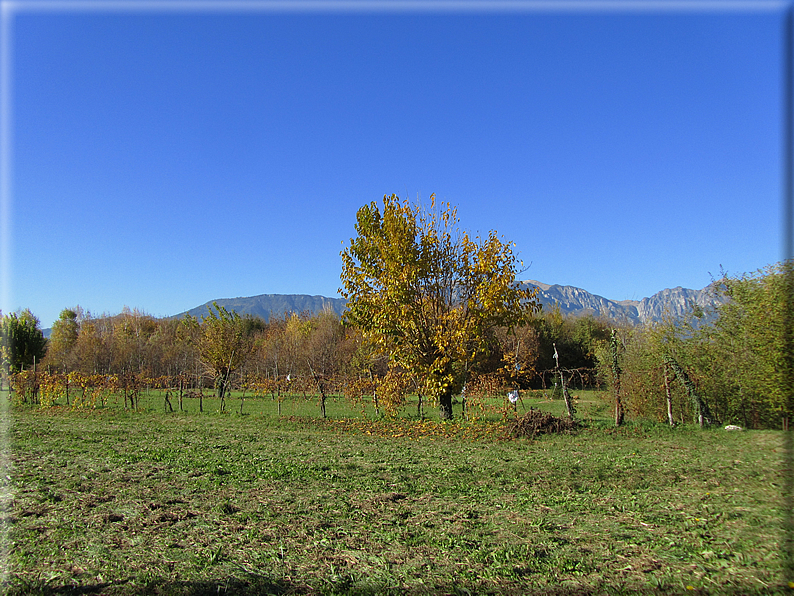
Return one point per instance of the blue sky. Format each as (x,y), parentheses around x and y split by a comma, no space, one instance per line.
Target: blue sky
(162,159)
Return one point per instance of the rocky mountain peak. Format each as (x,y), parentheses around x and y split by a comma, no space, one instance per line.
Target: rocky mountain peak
(673,302)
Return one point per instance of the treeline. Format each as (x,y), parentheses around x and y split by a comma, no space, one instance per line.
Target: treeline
(295,345)
(305,353)
(732,365)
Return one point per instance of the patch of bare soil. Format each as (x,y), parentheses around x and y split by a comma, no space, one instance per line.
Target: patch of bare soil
(536,422)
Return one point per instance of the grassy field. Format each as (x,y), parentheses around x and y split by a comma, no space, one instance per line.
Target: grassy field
(115,502)
(590,405)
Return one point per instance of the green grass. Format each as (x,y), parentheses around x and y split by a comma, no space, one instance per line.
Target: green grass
(590,405)
(115,502)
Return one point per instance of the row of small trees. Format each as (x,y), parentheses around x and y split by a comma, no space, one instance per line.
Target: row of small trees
(432,309)
(317,353)
(216,349)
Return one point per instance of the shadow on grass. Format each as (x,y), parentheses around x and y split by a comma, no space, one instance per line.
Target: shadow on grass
(161,588)
(265,586)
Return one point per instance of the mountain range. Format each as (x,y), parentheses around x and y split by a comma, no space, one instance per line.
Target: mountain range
(673,302)
(570,299)
(265,305)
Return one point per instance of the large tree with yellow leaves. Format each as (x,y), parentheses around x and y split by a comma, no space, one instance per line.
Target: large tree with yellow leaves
(427,293)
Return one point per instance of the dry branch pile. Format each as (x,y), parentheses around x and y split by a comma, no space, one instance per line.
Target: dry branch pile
(536,422)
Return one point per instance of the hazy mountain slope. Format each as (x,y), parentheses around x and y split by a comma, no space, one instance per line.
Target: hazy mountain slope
(276,304)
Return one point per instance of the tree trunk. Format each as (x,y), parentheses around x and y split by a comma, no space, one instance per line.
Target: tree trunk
(445,405)
(321,387)
(566,396)
(669,397)
(703,412)
(568,405)
(613,345)
(225,388)
(619,414)
(568,401)
(374,393)
(35,383)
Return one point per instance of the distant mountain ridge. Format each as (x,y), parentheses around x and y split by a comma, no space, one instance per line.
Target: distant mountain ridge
(571,300)
(267,305)
(673,302)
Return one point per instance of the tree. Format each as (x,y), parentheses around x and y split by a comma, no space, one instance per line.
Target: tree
(322,352)
(132,345)
(427,294)
(641,363)
(63,338)
(751,344)
(364,366)
(730,362)
(272,347)
(222,344)
(701,407)
(93,349)
(21,341)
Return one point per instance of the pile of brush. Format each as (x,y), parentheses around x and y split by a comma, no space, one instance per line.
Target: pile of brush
(536,422)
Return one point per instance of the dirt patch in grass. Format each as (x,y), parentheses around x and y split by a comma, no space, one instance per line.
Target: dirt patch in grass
(535,422)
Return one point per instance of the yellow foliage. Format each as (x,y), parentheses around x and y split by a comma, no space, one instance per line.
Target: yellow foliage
(392,390)
(426,293)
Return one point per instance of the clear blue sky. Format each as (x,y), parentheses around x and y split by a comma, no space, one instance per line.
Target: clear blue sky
(162,159)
